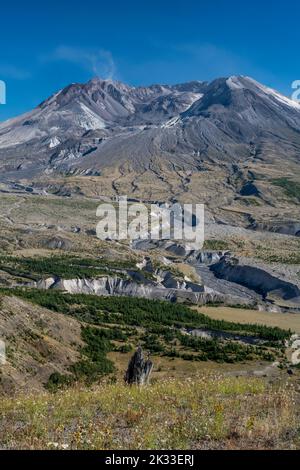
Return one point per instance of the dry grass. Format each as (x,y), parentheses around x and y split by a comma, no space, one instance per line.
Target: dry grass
(188,271)
(206,412)
(243,315)
(166,368)
(38,343)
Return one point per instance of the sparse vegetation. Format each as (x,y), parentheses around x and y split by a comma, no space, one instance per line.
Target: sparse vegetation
(157,325)
(229,351)
(249,201)
(290,187)
(205,412)
(138,312)
(66,354)
(215,245)
(93,363)
(241,315)
(58,381)
(287,256)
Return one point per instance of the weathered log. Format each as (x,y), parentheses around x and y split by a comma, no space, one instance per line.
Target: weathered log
(139,369)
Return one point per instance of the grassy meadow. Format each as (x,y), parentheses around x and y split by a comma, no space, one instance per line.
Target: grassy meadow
(206,412)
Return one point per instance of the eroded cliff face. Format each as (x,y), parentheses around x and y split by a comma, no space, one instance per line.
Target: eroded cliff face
(186,292)
(269,287)
(196,277)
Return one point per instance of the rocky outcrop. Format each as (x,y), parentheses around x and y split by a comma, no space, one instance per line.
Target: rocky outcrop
(222,279)
(268,286)
(206,334)
(109,123)
(169,246)
(139,369)
(283,227)
(109,285)
(57,243)
(206,257)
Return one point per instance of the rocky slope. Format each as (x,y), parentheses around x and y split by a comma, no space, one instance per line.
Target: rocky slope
(221,279)
(232,144)
(38,343)
(76,123)
(85,128)
(258,280)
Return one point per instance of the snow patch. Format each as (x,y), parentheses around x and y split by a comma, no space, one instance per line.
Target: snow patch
(89,120)
(54,142)
(171,123)
(277,96)
(234,83)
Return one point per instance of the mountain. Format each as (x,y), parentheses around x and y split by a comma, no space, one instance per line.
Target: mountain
(79,119)
(156,142)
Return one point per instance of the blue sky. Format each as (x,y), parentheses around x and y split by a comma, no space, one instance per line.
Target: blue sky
(44,47)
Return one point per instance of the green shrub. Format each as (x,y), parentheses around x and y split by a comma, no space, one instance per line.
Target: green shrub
(58,381)
(139,312)
(291,188)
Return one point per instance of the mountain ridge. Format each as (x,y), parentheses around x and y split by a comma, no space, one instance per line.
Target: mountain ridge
(196,140)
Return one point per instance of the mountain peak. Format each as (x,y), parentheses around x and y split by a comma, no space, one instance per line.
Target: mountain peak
(106,122)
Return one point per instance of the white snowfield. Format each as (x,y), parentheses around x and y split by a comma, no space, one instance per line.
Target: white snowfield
(236,83)
(276,95)
(54,142)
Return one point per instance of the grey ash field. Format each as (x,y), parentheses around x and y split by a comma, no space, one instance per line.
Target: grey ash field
(221,324)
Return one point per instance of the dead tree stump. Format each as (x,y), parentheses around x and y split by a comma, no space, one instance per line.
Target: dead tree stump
(139,369)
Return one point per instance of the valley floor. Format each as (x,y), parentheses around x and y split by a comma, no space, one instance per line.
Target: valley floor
(245,315)
(223,377)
